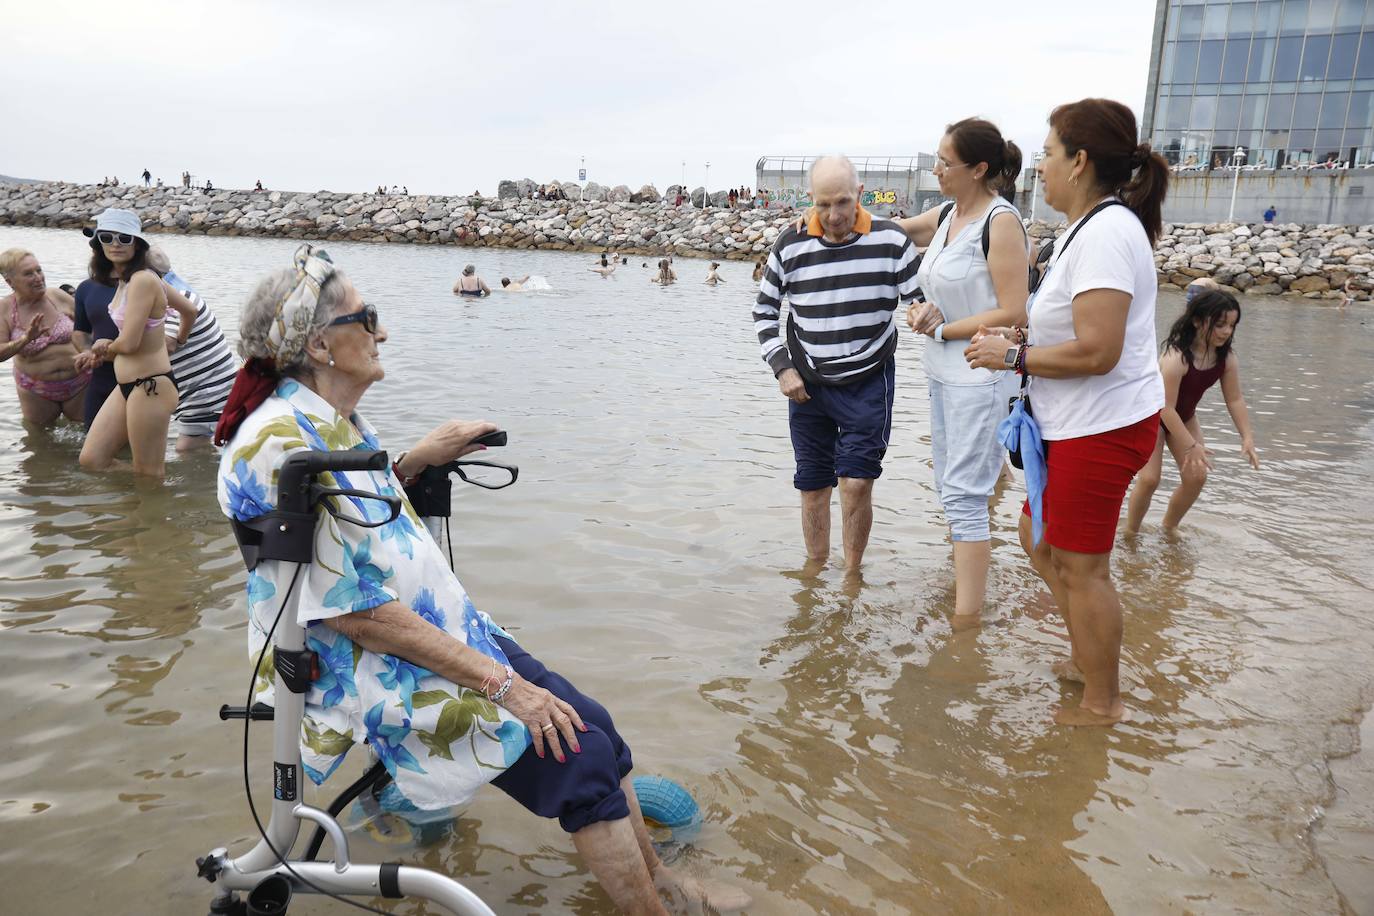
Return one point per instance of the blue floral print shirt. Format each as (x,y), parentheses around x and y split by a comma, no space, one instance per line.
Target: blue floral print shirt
(439,741)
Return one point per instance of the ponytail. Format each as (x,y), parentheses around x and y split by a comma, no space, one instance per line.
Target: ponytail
(1011,169)
(977,140)
(1107,131)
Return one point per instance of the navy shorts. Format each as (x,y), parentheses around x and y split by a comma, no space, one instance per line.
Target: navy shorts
(584,790)
(843,430)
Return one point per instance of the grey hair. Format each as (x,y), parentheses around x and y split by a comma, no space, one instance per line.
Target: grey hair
(261,310)
(469,270)
(842,162)
(157,260)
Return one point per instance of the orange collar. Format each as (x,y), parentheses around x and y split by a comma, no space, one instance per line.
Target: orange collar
(863,223)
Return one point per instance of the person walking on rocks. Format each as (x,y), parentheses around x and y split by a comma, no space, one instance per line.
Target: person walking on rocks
(843,275)
(147,178)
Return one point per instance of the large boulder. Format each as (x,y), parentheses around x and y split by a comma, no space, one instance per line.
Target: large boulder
(508,189)
(593,191)
(647,194)
(570,189)
(619,194)
(698,197)
(720,198)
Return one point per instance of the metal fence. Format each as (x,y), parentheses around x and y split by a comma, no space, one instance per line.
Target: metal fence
(893,185)
(1229,158)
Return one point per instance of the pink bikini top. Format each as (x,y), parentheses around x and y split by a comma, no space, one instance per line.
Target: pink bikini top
(117,313)
(61,332)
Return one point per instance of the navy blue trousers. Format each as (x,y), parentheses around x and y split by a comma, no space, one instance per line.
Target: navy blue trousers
(585,789)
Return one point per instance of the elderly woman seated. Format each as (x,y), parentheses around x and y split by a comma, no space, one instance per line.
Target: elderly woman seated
(443,695)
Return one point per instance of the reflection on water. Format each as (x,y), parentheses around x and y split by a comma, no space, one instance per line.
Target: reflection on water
(853,754)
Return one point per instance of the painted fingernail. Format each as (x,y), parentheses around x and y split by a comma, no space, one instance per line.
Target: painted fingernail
(583,727)
(577,749)
(562,759)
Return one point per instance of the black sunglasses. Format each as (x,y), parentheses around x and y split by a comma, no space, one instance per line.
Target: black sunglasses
(367,315)
(106,238)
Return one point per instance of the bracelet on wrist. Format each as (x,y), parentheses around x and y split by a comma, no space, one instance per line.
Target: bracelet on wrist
(505,687)
(396,469)
(1020,367)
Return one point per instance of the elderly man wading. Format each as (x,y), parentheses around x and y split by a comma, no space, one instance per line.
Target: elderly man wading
(842,274)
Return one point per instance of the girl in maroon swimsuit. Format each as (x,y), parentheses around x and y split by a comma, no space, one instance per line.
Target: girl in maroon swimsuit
(1197,354)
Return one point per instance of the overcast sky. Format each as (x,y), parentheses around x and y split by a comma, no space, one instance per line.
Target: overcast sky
(452,96)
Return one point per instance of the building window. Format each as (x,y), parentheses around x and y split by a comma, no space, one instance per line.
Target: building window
(1228,112)
(1190,22)
(1320,15)
(1242,20)
(1305,107)
(1185,62)
(1204,114)
(1237,54)
(1365,68)
(1267,18)
(1314,56)
(1280,116)
(1343,50)
(1261,61)
(1214,21)
(1286,60)
(1209,62)
(1350,14)
(1294,17)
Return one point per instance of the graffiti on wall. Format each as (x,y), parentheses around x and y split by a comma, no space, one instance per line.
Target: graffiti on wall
(800,198)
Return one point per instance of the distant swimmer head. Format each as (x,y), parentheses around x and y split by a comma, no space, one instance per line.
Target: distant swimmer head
(715,264)
(505,281)
(469,270)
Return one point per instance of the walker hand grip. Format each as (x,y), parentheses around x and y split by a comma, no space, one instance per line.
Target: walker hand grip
(300,469)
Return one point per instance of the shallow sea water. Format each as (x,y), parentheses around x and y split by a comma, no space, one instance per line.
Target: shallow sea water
(851,752)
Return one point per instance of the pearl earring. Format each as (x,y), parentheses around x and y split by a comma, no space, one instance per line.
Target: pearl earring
(331,361)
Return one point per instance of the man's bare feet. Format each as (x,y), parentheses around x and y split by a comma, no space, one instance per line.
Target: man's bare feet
(961,622)
(685,894)
(1083,716)
(1066,670)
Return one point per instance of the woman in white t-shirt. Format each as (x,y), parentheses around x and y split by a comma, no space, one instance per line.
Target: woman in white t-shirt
(1095,386)
(973,273)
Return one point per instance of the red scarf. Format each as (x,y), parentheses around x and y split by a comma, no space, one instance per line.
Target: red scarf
(254,384)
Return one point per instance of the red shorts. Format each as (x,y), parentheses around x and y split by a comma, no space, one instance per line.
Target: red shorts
(1088,478)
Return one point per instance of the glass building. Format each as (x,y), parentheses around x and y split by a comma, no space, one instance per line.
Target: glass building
(1290,81)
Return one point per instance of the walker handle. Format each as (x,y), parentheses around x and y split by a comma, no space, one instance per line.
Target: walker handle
(300,469)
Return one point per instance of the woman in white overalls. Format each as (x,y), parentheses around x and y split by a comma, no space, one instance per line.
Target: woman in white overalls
(973,275)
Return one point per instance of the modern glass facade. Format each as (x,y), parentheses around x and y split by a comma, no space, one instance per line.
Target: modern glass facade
(1290,81)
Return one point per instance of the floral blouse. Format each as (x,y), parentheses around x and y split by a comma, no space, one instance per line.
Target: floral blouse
(439,741)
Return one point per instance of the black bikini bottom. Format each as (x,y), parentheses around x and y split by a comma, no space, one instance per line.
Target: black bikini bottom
(147,383)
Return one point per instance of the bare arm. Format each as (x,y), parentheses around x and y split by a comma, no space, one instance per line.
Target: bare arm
(186,311)
(921,229)
(1172,367)
(1009,265)
(9,347)
(1235,405)
(482,285)
(1099,327)
(393,629)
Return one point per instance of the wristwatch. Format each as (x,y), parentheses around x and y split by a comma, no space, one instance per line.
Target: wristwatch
(1011,356)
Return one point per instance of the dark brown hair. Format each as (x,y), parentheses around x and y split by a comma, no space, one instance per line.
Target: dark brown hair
(976,140)
(1106,131)
(102,269)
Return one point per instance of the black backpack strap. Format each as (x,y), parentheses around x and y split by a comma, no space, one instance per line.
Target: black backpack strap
(987,227)
(944,213)
(1113,202)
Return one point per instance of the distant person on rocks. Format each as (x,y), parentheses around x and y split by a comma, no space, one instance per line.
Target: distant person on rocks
(36,333)
(843,275)
(712,278)
(471,286)
(208,185)
(677,199)
(147,178)
(159,184)
(204,365)
(1270,215)
(514,286)
(257,185)
(732,198)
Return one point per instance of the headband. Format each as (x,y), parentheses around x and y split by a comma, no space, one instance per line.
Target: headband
(296,311)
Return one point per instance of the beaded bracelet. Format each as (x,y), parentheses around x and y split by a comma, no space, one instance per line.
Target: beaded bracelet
(500,694)
(1020,366)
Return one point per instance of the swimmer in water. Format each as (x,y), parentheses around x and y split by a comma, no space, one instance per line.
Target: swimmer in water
(665,274)
(758,269)
(605,268)
(514,286)
(470,285)
(712,278)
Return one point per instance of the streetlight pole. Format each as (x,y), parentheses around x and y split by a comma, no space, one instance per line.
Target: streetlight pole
(1236,158)
(706,188)
(684,176)
(1035,181)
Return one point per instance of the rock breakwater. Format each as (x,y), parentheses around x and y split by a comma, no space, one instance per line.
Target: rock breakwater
(1309,261)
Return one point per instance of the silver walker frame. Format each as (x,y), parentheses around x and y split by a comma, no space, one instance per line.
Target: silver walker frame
(341,875)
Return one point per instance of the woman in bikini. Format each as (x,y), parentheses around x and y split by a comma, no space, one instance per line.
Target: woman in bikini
(137,413)
(36,332)
(471,286)
(1196,356)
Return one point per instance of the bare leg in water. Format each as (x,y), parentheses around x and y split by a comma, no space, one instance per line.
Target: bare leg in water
(815,512)
(1065,669)
(1095,612)
(856,506)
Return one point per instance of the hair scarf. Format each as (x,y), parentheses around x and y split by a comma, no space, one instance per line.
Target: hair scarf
(286,338)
